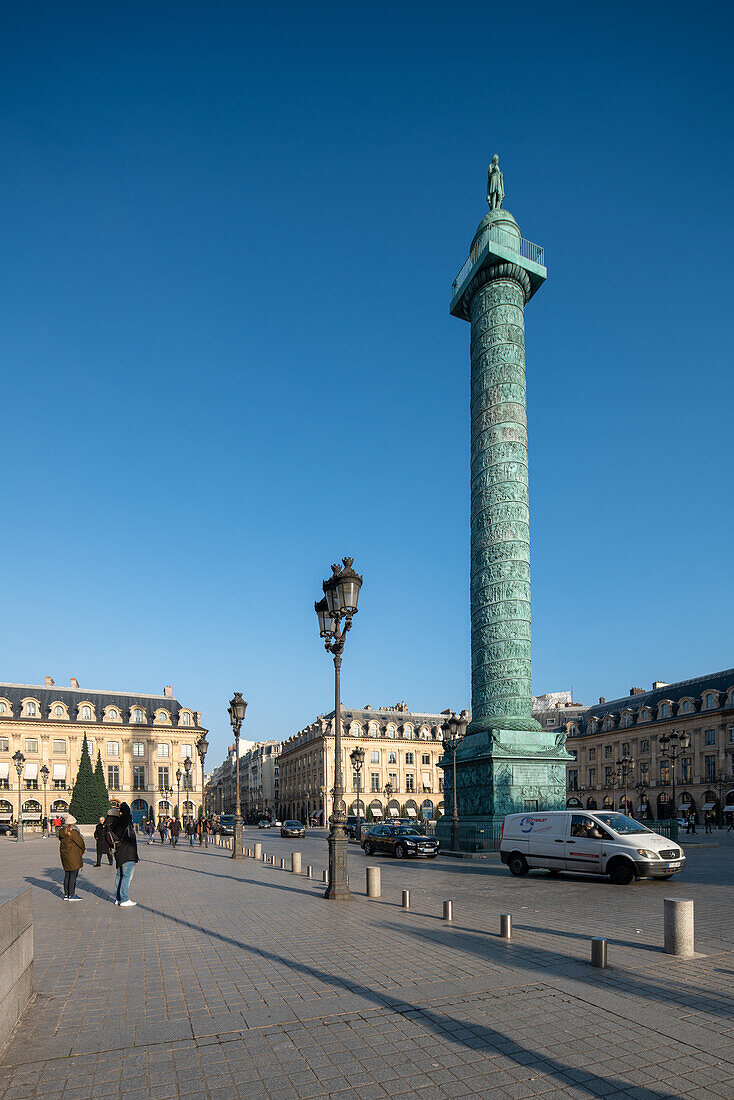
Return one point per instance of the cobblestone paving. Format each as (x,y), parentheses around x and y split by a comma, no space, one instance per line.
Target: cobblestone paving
(235,979)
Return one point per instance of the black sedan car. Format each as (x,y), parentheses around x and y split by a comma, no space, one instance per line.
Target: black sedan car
(400,841)
(292,828)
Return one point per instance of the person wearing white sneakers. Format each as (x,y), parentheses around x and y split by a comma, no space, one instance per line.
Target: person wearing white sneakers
(71,850)
(126,855)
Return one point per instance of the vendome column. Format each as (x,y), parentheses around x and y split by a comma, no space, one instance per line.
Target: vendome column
(507,762)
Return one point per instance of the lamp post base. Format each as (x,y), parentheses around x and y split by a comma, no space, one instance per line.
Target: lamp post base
(338,889)
(237,839)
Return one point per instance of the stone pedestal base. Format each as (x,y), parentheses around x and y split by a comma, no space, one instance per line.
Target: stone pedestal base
(500,772)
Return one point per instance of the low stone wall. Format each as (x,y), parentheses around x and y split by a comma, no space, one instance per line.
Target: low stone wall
(16,957)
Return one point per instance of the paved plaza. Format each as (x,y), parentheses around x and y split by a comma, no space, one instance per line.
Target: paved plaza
(237,980)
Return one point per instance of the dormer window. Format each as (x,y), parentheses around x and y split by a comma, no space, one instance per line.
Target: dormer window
(408,731)
(665,710)
(186,721)
(686,706)
(86,714)
(112,713)
(59,712)
(30,709)
(710,700)
(609,723)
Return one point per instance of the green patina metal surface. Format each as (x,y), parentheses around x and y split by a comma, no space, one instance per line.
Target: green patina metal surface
(506,762)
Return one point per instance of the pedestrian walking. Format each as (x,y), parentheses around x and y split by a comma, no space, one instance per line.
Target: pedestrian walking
(200,830)
(126,854)
(71,851)
(729,822)
(708,821)
(175,830)
(56,824)
(151,831)
(162,829)
(103,848)
(191,831)
(691,826)
(44,828)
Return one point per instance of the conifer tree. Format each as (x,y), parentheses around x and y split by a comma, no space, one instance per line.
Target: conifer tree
(104,798)
(85,798)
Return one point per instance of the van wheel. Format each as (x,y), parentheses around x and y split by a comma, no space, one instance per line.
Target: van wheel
(621,872)
(517,864)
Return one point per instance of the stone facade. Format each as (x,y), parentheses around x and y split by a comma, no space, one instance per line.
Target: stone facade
(143,740)
(631,727)
(259,781)
(401,747)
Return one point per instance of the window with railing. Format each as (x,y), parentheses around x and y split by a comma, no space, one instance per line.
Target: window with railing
(113,777)
(59,784)
(410,783)
(31,784)
(709,737)
(686,769)
(709,768)
(138,777)
(609,777)
(573,779)
(375,782)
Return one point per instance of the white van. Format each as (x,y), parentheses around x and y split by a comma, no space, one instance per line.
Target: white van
(597,842)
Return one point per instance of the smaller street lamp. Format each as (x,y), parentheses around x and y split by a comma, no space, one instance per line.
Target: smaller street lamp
(674,746)
(201,747)
(388,792)
(625,766)
(237,708)
(187,777)
(178,792)
(357,758)
(641,789)
(19,761)
(45,773)
(454,731)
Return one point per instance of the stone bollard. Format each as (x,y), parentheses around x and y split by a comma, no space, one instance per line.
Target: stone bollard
(405,903)
(258,850)
(282,864)
(678,926)
(448,910)
(374,887)
(599,953)
(309,872)
(324,876)
(506,926)
(296,863)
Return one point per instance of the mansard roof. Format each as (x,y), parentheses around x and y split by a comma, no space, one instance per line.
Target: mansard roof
(720,682)
(100,699)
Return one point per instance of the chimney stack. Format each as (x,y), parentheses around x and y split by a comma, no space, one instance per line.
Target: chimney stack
(637,691)
(48,681)
(74,682)
(659,684)
(602,699)
(168,690)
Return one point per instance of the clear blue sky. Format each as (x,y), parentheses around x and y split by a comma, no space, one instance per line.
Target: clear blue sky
(229,234)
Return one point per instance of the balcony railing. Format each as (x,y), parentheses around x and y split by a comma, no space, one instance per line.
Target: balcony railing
(526,249)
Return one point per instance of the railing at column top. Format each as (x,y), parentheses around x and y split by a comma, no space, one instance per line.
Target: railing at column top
(526,249)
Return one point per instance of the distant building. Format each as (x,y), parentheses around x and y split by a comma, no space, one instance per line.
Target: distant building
(143,740)
(555,709)
(259,781)
(631,728)
(401,748)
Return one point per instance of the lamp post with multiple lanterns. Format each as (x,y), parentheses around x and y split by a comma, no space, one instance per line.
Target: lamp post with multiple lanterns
(454,729)
(19,761)
(178,793)
(339,605)
(45,773)
(201,747)
(187,780)
(625,767)
(357,758)
(674,746)
(237,708)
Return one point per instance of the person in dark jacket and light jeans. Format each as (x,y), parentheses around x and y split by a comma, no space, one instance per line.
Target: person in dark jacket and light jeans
(126,853)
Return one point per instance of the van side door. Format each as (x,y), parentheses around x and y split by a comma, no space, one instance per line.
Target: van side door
(584,845)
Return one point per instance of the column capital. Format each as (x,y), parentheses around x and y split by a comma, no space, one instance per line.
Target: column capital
(489,275)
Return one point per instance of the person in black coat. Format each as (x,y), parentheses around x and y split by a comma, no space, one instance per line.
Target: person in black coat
(122,831)
(103,848)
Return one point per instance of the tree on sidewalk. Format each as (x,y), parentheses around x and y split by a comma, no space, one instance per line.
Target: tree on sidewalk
(85,800)
(104,798)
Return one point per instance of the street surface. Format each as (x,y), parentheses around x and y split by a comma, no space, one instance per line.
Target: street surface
(235,979)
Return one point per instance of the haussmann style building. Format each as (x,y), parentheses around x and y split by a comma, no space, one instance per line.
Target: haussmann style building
(400,776)
(144,740)
(631,729)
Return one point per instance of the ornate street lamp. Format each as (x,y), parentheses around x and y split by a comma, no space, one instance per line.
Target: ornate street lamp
(674,746)
(341,596)
(454,730)
(357,758)
(641,789)
(187,779)
(45,773)
(625,766)
(178,793)
(237,708)
(201,747)
(19,761)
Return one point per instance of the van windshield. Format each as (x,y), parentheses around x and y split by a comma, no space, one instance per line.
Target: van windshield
(621,824)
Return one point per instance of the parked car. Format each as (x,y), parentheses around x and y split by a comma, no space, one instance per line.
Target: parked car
(399,841)
(598,842)
(7,828)
(292,828)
